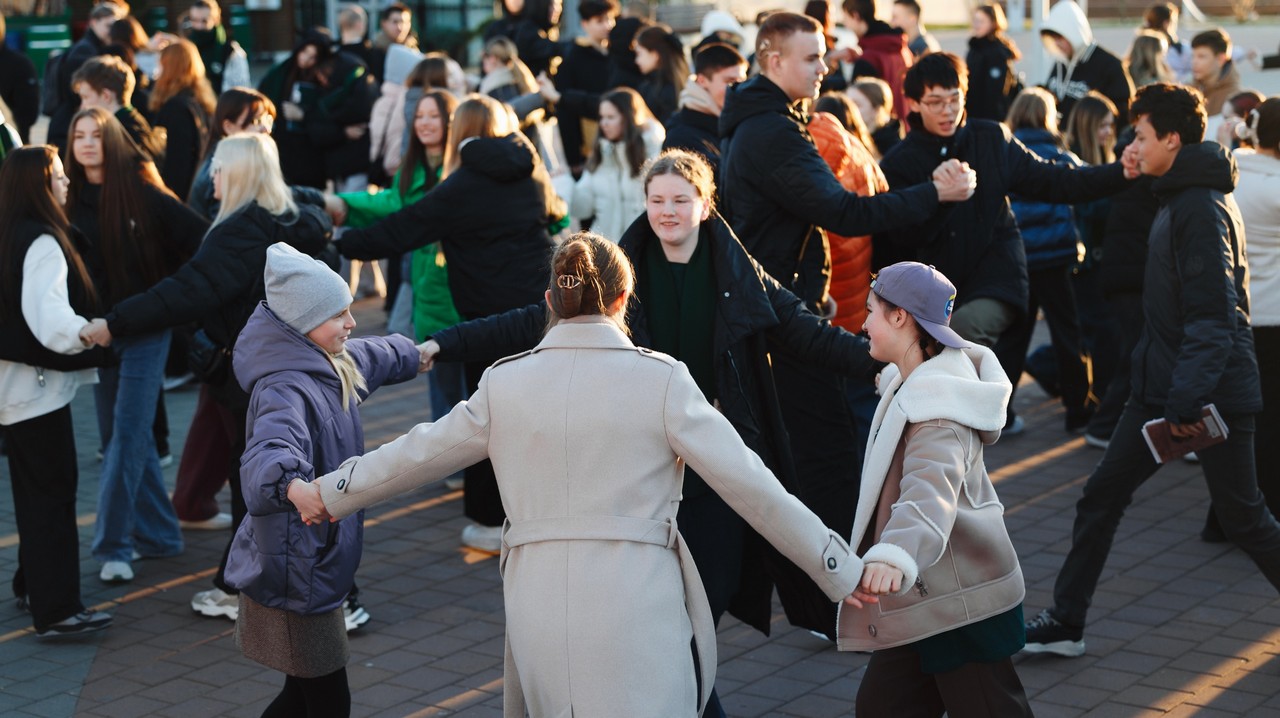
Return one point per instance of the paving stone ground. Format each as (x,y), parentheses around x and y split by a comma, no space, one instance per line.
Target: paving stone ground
(1179,627)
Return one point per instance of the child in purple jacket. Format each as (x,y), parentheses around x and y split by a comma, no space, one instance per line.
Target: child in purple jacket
(306,378)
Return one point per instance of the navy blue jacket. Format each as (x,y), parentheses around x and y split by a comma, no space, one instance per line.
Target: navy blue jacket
(298,428)
(1049,233)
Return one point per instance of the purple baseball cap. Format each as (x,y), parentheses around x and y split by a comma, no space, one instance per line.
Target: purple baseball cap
(926,294)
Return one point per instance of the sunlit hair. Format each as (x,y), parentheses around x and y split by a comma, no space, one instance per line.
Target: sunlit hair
(688,166)
(233,104)
(672,65)
(349,376)
(182,70)
(779,26)
(635,116)
(478,116)
(1146,63)
(432,71)
(415,154)
(1263,123)
(880,96)
(250,167)
(999,27)
(106,72)
(842,108)
(1081,134)
(26,183)
(1034,109)
(588,274)
(504,51)
(127,38)
(129,234)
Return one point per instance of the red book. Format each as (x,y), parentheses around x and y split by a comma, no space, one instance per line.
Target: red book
(1165,447)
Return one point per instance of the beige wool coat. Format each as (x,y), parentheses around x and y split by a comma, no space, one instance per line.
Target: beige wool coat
(589,436)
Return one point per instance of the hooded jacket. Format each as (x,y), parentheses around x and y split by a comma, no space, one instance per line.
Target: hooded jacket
(696,126)
(754,308)
(927,506)
(993,83)
(490,215)
(1196,347)
(885,55)
(1089,68)
(976,243)
(298,428)
(780,196)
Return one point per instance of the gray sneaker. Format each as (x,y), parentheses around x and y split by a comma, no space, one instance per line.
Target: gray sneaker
(216,602)
(83,622)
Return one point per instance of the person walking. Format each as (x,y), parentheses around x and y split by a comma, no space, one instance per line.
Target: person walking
(1196,349)
(46,294)
(591,539)
(306,377)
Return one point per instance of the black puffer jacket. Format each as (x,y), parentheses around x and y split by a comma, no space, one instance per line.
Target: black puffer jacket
(222,284)
(491,214)
(1197,347)
(992,80)
(752,307)
(1124,241)
(780,196)
(689,129)
(976,242)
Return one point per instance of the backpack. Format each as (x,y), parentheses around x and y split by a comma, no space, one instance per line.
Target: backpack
(51,92)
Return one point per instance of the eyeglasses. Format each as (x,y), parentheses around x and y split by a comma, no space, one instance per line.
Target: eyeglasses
(938,104)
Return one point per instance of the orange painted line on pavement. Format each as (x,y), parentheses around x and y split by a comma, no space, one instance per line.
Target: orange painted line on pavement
(81,521)
(461,700)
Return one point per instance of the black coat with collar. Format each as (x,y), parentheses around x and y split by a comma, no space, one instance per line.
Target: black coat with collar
(780,197)
(751,308)
(976,243)
(689,129)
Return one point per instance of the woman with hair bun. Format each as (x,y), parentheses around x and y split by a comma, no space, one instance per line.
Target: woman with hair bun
(590,435)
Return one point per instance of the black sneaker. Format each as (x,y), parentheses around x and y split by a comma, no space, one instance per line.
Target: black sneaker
(83,622)
(23,603)
(1045,634)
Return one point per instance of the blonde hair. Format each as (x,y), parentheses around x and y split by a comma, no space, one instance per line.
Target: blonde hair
(1035,109)
(1082,129)
(349,376)
(477,116)
(504,51)
(250,167)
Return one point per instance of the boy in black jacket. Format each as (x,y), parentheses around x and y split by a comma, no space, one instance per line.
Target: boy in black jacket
(107,82)
(1195,349)
(695,126)
(582,77)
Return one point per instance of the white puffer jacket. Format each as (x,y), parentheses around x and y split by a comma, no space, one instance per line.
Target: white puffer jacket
(1260,211)
(609,192)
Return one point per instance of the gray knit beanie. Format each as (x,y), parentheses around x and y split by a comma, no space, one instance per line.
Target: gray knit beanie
(302,291)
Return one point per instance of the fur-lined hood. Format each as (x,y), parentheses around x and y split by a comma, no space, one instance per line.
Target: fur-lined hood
(967,386)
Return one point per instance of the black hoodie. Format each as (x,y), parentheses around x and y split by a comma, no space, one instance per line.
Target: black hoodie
(779,195)
(1197,347)
(491,215)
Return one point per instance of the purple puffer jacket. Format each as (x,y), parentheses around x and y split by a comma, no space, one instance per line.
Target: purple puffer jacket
(298,428)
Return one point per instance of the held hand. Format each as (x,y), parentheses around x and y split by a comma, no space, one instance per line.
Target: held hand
(96,332)
(427,352)
(293,112)
(861,599)
(880,578)
(547,88)
(336,208)
(947,170)
(1129,160)
(958,187)
(355,132)
(306,498)
(1186,431)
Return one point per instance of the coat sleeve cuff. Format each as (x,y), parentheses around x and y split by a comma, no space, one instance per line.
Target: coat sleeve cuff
(898,558)
(334,486)
(843,569)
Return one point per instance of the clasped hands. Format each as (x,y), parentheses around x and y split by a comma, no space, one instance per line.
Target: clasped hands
(305,496)
(427,352)
(95,333)
(955,181)
(878,579)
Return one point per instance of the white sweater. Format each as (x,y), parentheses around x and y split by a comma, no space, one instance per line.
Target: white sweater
(47,310)
(609,192)
(1260,209)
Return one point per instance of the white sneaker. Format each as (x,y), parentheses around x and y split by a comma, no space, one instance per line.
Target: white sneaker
(216,602)
(116,572)
(217,522)
(1191,458)
(483,538)
(166,461)
(1096,442)
(354,613)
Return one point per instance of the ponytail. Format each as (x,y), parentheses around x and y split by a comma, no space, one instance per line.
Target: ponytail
(588,274)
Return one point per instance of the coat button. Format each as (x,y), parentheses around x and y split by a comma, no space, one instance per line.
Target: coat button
(342,484)
(831,563)
(726,295)
(871,628)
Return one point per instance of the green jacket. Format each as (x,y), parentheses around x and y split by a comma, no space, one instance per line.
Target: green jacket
(433,308)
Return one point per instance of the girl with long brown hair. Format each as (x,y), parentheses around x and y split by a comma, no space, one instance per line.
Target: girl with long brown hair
(138,233)
(610,188)
(45,295)
(661,58)
(993,81)
(239,109)
(182,102)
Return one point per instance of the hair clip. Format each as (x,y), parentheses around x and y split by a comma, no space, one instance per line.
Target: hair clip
(568,281)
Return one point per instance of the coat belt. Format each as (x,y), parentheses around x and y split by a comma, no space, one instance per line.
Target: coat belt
(617,528)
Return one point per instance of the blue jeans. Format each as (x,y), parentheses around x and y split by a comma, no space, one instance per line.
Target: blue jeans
(1233,487)
(134,510)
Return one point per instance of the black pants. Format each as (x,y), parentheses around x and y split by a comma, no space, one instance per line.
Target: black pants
(1051,291)
(1233,488)
(895,686)
(481,501)
(238,509)
(324,697)
(1126,308)
(44,476)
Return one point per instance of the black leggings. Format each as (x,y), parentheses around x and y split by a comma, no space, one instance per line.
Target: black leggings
(323,697)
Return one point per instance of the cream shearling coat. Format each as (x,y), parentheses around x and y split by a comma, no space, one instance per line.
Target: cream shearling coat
(589,436)
(945,526)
